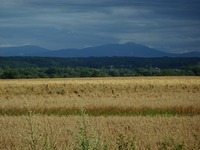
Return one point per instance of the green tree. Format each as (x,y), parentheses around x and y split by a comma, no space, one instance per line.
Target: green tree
(10,74)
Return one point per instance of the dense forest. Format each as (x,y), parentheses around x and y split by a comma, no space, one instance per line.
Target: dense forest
(42,67)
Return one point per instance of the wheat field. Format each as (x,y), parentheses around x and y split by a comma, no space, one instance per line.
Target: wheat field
(147,131)
(98,95)
(158,112)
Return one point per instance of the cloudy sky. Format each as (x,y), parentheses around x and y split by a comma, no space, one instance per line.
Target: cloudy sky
(170,25)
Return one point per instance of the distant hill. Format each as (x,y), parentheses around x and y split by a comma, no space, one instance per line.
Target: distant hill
(27,50)
(128,49)
(189,54)
(109,50)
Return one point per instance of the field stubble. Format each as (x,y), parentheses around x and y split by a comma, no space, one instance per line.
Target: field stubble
(115,106)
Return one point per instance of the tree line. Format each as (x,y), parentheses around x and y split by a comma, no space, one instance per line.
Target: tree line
(98,62)
(38,67)
(28,73)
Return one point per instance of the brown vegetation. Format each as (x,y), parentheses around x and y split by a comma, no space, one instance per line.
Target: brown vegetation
(148,131)
(165,94)
(171,106)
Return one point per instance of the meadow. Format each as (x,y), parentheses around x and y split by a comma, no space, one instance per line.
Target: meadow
(118,113)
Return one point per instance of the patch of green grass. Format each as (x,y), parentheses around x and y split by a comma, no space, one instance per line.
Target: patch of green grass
(171,144)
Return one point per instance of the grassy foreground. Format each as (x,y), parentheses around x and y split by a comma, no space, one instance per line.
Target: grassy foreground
(122,113)
(74,132)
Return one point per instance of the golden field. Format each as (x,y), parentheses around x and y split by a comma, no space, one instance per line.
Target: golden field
(156,111)
(148,131)
(173,94)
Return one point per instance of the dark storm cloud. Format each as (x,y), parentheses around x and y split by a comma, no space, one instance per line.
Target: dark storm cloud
(168,24)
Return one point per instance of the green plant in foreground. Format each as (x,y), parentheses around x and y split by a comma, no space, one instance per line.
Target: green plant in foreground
(48,143)
(126,144)
(171,144)
(33,137)
(84,140)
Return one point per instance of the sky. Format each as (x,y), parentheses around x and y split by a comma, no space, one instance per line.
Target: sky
(169,25)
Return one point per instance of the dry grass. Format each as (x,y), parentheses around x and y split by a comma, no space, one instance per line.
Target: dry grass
(66,96)
(148,131)
(93,88)
(113,101)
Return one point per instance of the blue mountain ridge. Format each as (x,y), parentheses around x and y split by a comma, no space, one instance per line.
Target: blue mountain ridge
(27,50)
(109,50)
